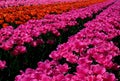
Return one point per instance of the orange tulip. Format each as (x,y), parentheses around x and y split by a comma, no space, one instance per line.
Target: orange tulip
(5,25)
(1,21)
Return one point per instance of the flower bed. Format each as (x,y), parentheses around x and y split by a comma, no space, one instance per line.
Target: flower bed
(92,54)
(15,16)
(33,29)
(9,3)
(87,56)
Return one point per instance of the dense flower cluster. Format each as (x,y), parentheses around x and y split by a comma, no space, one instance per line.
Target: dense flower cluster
(9,3)
(51,23)
(53,71)
(91,49)
(19,15)
(97,36)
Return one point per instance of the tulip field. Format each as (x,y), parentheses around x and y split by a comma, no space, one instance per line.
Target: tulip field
(59,40)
